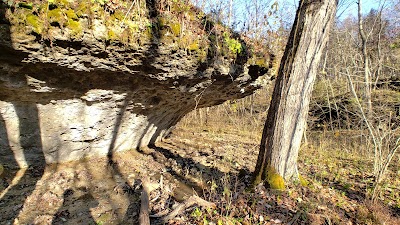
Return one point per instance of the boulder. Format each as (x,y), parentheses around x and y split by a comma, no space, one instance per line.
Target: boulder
(65,96)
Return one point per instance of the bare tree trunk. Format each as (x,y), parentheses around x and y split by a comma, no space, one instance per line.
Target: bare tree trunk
(367,72)
(380,59)
(230,13)
(283,130)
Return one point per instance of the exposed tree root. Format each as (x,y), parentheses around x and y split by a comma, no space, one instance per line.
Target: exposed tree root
(148,187)
(186,204)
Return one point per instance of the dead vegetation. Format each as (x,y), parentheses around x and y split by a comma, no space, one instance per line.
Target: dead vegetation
(213,161)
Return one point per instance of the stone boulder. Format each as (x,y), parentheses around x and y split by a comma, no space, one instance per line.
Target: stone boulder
(65,97)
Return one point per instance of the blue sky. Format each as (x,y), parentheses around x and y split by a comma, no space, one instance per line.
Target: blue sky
(346,9)
(287,9)
(367,5)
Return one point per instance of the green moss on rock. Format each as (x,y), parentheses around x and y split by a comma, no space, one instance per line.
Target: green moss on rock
(180,27)
(75,27)
(112,36)
(35,22)
(71,14)
(176,29)
(259,61)
(55,15)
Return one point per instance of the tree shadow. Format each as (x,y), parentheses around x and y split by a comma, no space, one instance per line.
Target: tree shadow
(177,166)
(6,155)
(29,146)
(31,150)
(134,206)
(84,203)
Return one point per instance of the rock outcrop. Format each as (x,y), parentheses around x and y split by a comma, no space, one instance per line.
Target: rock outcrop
(64,97)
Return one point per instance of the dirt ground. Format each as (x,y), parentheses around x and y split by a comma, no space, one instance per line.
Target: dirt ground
(107,190)
(215,166)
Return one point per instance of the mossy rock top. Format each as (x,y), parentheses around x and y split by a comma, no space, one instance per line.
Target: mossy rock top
(176,24)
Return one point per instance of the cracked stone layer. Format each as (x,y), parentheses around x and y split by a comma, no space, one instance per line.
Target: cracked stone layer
(67,100)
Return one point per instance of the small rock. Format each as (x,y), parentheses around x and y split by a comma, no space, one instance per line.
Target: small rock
(277,221)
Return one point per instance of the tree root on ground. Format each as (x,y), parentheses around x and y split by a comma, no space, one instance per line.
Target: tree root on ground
(186,204)
(148,187)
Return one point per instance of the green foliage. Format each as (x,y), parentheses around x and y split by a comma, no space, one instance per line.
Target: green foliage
(180,6)
(194,46)
(395,45)
(234,45)
(205,221)
(303,182)
(71,14)
(133,28)
(196,213)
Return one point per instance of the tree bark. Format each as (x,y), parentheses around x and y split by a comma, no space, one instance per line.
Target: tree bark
(367,72)
(287,115)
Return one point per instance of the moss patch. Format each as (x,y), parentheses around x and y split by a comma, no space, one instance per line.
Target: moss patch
(303,182)
(178,24)
(176,29)
(35,22)
(55,15)
(275,181)
(75,27)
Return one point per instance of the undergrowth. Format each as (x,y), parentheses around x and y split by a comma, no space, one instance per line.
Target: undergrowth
(335,167)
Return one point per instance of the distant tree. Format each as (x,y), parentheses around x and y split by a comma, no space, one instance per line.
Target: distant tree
(287,115)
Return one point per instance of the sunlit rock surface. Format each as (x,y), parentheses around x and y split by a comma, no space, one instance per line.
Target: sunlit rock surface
(68,98)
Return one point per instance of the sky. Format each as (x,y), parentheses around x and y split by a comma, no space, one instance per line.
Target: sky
(348,7)
(351,9)
(287,9)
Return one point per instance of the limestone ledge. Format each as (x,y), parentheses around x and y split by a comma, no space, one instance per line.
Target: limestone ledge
(66,99)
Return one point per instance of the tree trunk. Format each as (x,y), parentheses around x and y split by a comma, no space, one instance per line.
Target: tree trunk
(367,73)
(283,130)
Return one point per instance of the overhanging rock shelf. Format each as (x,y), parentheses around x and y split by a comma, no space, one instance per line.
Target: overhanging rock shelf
(67,98)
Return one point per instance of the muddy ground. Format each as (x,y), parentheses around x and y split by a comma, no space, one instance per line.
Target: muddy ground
(107,190)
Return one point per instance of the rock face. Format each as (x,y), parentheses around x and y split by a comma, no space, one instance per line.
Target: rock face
(66,99)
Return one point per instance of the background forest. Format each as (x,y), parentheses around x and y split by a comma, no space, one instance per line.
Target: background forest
(353,135)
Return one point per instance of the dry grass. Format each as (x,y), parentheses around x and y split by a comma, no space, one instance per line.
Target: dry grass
(213,158)
(337,165)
